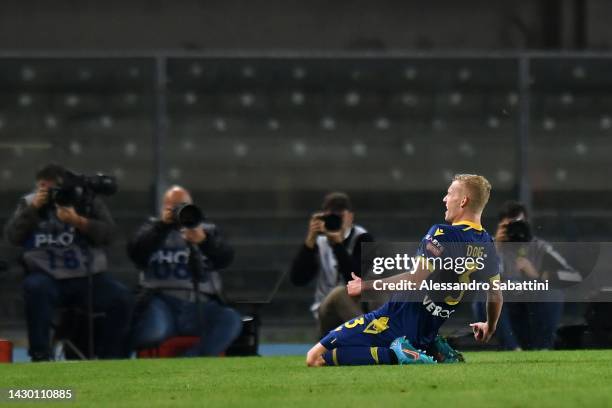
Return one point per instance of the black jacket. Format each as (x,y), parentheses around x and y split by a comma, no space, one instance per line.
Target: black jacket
(153,232)
(305,265)
(100,229)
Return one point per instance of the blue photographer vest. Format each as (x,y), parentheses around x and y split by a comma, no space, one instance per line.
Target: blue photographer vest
(60,250)
(168,269)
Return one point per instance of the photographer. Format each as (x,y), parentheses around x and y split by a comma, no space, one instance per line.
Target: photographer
(178,256)
(534,324)
(331,252)
(62,228)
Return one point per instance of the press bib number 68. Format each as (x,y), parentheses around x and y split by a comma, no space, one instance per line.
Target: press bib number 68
(67,259)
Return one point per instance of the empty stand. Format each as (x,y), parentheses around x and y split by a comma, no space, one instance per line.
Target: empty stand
(260,140)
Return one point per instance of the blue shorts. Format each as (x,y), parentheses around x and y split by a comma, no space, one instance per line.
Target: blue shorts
(380,327)
(372,329)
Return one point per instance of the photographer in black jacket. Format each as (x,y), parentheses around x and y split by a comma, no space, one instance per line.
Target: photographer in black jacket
(63,243)
(528,324)
(331,252)
(176,260)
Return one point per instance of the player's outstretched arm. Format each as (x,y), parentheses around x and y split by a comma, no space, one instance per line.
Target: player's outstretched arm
(357,286)
(483,331)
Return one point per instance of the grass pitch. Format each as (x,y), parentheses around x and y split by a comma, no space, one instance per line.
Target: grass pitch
(489,379)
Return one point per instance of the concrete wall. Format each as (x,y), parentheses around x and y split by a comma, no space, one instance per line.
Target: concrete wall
(272,24)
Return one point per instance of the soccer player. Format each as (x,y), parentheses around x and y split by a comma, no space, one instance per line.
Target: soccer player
(399,331)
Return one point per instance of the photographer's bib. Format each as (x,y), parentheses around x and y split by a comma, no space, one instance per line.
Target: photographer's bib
(328,276)
(59,249)
(168,269)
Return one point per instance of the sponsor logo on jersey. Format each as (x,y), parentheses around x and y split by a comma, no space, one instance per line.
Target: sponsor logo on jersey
(433,245)
(436,310)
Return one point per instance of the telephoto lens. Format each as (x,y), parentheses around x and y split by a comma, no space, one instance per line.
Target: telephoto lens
(188,215)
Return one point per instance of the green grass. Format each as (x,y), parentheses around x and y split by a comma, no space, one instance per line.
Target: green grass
(539,379)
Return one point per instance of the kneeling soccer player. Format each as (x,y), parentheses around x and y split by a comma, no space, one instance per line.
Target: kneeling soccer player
(400,331)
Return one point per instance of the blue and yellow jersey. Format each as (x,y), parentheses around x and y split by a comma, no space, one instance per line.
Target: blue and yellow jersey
(469,246)
(445,251)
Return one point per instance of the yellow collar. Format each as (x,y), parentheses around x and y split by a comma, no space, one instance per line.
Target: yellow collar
(470,224)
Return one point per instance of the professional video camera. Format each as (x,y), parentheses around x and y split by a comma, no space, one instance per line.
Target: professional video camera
(73,189)
(187,215)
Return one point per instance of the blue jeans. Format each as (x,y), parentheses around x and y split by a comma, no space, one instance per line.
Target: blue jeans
(43,294)
(167,316)
(504,333)
(536,323)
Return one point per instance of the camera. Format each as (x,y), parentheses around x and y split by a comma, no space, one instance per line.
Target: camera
(73,188)
(518,231)
(332,222)
(187,215)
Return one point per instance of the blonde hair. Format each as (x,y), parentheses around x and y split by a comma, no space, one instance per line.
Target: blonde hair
(479,190)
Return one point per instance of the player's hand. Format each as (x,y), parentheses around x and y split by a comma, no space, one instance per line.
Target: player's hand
(316,226)
(194,235)
(68,215)
(482,332)
(354,286)
(41,198)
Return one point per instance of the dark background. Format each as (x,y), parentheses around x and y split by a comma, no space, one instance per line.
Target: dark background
(301,25)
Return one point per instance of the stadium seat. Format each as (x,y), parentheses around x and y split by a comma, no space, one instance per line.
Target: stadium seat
(173,347)
(259,140)
(246,344)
